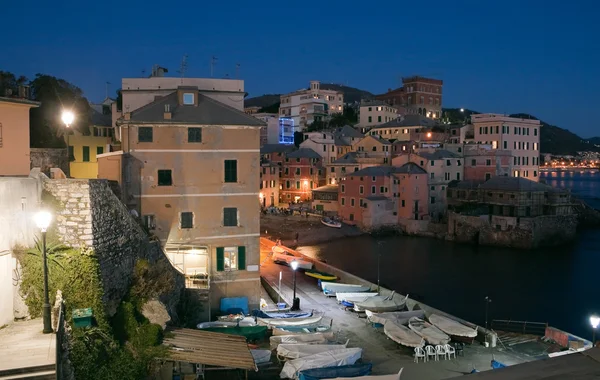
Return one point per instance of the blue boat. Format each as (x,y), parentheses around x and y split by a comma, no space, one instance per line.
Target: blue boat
(497,364)
(353,370)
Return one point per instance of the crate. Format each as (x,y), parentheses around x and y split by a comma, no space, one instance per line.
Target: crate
(83,317)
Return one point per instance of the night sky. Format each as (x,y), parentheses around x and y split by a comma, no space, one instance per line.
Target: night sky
(535,56)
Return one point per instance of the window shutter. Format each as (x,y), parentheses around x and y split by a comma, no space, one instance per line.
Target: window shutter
(220,259)
(242,258)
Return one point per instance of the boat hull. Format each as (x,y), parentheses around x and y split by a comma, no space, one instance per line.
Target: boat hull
(320,275)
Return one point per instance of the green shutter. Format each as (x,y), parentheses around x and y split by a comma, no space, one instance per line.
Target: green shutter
(220,259)
(242,258)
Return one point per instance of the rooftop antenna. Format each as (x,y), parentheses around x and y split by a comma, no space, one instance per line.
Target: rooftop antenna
(237,71)
(213,61)
(107,84)
(183,67)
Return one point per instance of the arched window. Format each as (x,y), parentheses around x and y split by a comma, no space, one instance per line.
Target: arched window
(420,111)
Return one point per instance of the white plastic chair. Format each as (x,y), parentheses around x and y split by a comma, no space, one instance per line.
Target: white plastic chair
(431,352)
(450,351)
(420,353)
(440,351)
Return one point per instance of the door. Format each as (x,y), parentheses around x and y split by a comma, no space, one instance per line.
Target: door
(272,200)
(416,210)
(319,207)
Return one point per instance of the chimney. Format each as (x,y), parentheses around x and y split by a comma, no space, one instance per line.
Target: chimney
(23,92)
(127,116)
(167,112)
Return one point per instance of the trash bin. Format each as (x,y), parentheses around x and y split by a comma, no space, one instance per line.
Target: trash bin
(82,317)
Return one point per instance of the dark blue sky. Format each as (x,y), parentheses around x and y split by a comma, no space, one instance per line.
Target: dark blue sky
(536,56)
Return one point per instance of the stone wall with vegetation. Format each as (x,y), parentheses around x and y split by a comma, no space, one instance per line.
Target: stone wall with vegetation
(48,158)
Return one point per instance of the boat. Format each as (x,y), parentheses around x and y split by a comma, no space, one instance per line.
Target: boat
(397,317)
(250,332)
(331,223)
(380,304)
(320,275)
(296,351)
(295,330)
(334,358)
(429,332)
(402,335)
(248,321)
(456,330)
(314,338)
(281,322)
(395,376)
(354,297)
(261,356)
(332,288)
(344,371)
(279,314)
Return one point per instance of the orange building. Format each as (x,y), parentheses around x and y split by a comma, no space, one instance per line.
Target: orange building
(14,136)
(302,171)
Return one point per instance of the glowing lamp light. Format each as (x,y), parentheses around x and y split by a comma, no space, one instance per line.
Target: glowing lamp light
(594,321)
(462,110)
(294,265)
(428,134)
(68,117)
(42,220)
(195,251)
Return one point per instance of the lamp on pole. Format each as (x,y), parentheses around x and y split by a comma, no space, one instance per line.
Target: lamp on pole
(488,300)
(42,220)
(594,321)
(68,117)
(378,262)
(295,301)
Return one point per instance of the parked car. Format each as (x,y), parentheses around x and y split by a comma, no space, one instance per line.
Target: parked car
(285,257)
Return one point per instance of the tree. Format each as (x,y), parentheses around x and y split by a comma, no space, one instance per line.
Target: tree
(298,138)
(273,108)
(8,81)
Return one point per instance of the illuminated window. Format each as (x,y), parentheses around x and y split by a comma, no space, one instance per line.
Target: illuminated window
(188,98)
(231,258)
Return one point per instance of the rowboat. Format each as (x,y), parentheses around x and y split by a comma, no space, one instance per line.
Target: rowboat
(397,317)
(278,314)
(456,330)
(325,330)
(303,321)
(380,304)
(402,335)
(247,321)
(320,275)
(331,223)
(344,372)
(429,332)
(334,358)
(331,288)
(354,297)
(296,351)
(315,338)
(250,332)
(395,376)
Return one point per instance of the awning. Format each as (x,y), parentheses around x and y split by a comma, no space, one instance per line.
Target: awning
(209,348)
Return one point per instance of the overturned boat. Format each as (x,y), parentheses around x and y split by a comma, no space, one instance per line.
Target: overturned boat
(340,372)
(402,335)
(429,332)
(380,304)
(354,297)
(312,319)
(296,330)
(332,288)
(456,330)
(334,358)
(314,338)
(247,321)
(297,351)
(397,317)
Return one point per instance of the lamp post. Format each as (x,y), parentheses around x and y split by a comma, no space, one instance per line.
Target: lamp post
(488,300)
(594,321)
(295,301)
(68,117)
(42,220)
(378,262)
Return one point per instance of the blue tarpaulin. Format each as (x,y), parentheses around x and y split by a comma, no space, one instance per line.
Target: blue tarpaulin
(352,370)
(262,314)
(229,305)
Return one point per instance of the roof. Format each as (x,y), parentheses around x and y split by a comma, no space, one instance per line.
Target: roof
(376,137)
(339,141)
(209,348)
(409,120)
(584,365)
(349,131)
(513,184)
(208,112)
(348,158)
(20,101)
(100,119)
(374,171)
(438,155)
(410,168)
(374,102)
(327,189)
(303,153)
(276,148)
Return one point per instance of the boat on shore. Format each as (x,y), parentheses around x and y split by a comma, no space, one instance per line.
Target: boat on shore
(380,304)
(315,338)
(314,319)
(249,332)
(324,276)
(332,288)
(354,297)
(294,330)
(402,335)
(261,356)
(331,223)
(456,330)
(297,351)
(248,321)
(343,372)
(429,332)
(334,358)
(397,317)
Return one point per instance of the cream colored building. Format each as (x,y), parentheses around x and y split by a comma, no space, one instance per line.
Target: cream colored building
(520,136)
(14,136)
(376,112)
(323,143)
(309,105)
(404,127)
(190,168)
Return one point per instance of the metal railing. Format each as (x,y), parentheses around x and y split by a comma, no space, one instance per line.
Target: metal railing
(522,327)
(60,336)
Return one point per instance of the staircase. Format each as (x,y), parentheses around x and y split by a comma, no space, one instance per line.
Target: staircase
(42,372)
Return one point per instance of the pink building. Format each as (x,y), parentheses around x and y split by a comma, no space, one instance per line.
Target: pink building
(14,136)
(302,171)
(412,192)
(482,163)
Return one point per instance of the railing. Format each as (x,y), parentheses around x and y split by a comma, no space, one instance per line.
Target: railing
(522,327)
(60,336)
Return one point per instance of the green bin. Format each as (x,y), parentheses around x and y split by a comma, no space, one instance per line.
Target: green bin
(82,317)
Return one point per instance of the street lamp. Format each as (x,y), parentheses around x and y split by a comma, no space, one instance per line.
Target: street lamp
(42,220)
(594,321)
(68,117)
(378,262)
(295,301)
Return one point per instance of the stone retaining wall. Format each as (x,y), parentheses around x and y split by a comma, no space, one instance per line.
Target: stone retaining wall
(47,158)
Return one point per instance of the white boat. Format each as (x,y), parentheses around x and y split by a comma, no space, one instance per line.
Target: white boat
(354,297)
(380,304)
(452,327)
(282,322)
(429,332)
(297,351)
(376,377)
(335,358)
(247,321)
(261,356)
(332,288)
(314,338)
(402,335)
(397,317)
(331,223)
(325,330)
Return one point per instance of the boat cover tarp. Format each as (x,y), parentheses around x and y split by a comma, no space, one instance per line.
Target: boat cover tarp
(402,335)
(354,297)
(380,304)
(248,321)
(452,327)
(314,338)
(228,304)
(352,371)
(333,287)
(376,377)
(261,356)
(397,317)
(263,314)
(250,332)
(296,351)
(306,321)
(429,332)
(294,330)
(334,358)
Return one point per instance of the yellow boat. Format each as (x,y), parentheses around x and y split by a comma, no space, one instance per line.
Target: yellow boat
(320,275)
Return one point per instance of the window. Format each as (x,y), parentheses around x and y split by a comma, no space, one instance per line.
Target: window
(297,171)
(165,178)
(231,258)
(343,188)
(373,189)
(488,162)
(432,175)
(71,153)
(352,202)
(535,131)
(149,222)
(194,135)
(457,162)
(287,184)
(188,98)
(373,179)
(448,163)
(505,145)
(458,176)
(230,218)
(432,200)
(230,170)
(379,119)
(432,188)
(186,220)
(343,201)
(488,176)
(86,154)
(297,184)
(473,162)
(361,189)
(145,134)
(370,119)
(403,203)
(432,162)
(535,171)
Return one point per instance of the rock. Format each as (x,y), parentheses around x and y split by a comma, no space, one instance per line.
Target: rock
(156,312)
